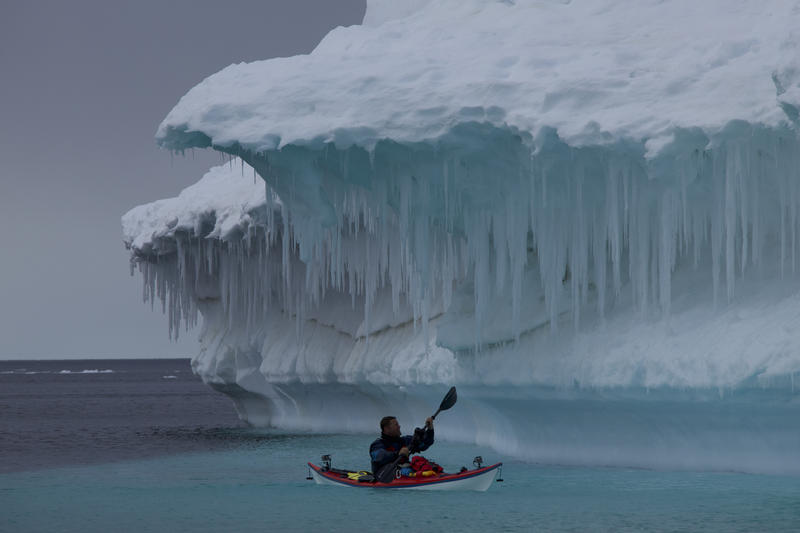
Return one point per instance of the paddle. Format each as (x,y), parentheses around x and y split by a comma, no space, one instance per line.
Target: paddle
(448,401)
(387,473)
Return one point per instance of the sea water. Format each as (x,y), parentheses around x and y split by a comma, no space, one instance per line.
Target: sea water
(121,446)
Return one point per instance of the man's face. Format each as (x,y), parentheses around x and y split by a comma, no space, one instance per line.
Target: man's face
(392,429)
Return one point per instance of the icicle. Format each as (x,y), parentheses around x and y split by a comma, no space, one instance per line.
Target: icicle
(546,231)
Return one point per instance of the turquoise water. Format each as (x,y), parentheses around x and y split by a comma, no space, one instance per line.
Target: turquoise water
(260,486)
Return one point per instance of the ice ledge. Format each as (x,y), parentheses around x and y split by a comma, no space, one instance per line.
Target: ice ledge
(225,204)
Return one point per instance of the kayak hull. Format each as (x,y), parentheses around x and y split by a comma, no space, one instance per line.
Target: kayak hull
(479,479)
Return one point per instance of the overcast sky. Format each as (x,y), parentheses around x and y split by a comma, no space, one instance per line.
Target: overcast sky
(83,86)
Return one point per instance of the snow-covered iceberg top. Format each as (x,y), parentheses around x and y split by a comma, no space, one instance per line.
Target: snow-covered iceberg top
(224,203)
(593,70)
(461,181)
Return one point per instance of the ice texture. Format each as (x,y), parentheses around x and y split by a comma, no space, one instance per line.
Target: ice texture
(544,195)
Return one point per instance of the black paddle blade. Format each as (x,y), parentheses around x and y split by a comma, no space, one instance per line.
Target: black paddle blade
(449,399)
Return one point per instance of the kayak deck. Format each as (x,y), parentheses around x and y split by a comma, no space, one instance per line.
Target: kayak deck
(479,479)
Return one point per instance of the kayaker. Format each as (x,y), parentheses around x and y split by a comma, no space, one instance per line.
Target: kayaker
(392,444)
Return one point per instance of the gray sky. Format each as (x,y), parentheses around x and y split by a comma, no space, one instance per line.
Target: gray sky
(83,86)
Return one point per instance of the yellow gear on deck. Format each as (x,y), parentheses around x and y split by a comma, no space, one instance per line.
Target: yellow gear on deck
(356,475)
(426,473)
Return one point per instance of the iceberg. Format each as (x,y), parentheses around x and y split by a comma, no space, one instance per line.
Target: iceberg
(581,204)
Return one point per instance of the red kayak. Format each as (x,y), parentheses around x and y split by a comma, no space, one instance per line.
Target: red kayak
(479,479)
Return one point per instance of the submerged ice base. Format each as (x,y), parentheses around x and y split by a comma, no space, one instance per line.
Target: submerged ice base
(748,431)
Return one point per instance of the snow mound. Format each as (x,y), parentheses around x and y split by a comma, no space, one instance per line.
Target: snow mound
(224,203)
(595,71)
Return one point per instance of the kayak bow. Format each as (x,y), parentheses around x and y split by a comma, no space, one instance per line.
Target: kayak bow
(479,479)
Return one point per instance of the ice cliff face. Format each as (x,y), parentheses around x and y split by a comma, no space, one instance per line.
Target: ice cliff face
(537,194)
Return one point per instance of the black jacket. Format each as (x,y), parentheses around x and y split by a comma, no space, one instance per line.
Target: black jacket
(384,449)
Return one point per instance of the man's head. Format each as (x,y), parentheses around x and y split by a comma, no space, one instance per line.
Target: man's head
(390,426)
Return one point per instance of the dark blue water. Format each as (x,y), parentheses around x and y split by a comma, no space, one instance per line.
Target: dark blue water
(146,447)
(58,413)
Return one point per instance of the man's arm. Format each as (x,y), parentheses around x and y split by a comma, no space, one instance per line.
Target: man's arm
(428,433)
(380,455)
(427,438)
